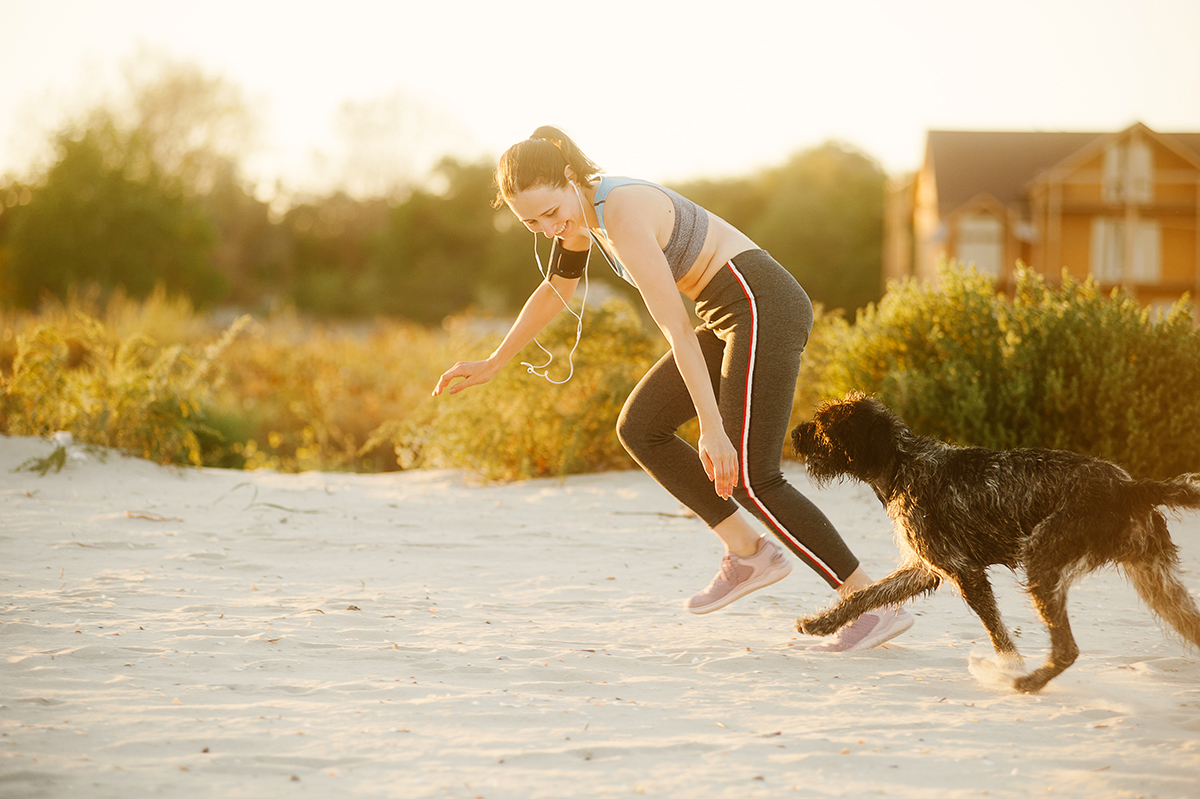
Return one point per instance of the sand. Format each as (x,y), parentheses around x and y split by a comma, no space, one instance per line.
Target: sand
(197,633)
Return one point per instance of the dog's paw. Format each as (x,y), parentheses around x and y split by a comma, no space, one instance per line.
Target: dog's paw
(817,625)
(1031,683)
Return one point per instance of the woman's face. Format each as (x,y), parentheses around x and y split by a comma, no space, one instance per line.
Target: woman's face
(553,212)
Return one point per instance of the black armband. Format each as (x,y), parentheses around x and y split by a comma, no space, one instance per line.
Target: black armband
(567,263)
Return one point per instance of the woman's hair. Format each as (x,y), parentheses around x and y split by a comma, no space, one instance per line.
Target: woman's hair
(541,160)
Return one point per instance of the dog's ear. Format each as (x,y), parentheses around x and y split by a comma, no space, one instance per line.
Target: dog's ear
(870,435)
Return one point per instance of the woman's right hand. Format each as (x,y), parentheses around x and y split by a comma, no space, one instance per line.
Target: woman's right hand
(720,460)
(473,373)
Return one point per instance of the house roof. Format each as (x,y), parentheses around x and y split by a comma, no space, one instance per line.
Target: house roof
(1003,163)
(969,163)
(1190,141)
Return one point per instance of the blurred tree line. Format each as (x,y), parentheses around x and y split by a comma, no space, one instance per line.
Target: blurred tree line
(152,194)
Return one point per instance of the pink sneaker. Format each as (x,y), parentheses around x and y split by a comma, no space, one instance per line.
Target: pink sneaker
(868,630)
(739,576)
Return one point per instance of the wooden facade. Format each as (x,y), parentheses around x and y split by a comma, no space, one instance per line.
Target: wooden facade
(1121,207)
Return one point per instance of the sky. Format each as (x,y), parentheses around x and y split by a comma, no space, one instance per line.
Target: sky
(664,90)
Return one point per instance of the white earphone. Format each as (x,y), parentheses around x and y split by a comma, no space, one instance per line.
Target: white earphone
(545,371)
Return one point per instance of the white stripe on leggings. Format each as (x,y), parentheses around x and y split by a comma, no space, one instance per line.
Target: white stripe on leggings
(745,443)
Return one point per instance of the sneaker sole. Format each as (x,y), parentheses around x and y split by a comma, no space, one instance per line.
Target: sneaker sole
(767,578)
(874,639)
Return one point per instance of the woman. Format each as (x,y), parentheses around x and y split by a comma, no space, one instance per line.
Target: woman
(736,372)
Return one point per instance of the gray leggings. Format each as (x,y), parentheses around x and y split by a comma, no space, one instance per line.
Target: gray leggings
(756,321)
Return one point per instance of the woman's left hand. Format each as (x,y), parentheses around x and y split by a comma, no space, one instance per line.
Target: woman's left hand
(720,462)
(472,372)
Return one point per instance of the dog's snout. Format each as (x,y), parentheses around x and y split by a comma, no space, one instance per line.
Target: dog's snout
(802,438)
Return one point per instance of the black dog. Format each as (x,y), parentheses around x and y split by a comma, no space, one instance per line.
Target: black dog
(1058,515)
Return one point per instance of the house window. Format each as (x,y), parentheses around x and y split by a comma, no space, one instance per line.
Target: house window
(1147,252)
(981,243)
(1108,251)
(1128,172)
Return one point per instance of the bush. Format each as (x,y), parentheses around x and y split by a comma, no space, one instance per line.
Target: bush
(158,380)
(129,395)
(520,426)
(1055,366)
(302,396)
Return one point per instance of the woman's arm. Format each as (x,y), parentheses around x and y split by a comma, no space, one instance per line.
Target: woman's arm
(542,306)
(631,229)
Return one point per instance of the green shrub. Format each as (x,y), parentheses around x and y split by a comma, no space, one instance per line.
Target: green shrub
(520,426)
(129,395)
(304,396)
(1055,366)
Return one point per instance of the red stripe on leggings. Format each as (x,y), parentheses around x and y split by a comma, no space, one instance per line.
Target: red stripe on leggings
(744,445)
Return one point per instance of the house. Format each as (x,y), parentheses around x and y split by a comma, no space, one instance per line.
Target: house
(1121,207)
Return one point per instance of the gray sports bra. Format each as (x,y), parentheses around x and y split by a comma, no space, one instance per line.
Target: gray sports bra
(687,237)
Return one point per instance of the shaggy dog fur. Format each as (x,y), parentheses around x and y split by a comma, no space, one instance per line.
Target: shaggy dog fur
(1057,515)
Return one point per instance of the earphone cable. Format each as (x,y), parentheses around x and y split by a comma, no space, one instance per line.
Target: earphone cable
(545,272)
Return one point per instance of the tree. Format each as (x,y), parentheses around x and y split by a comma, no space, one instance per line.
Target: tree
(820,215)
(193,126)
(823,219)
(102,216)
(132,197)
(443,252)
(251,250)
(328,244)
(390,144)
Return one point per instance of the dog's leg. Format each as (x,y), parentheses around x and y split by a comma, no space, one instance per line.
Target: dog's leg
(899,586)
(1154,572)
(977,592)
(1049,591)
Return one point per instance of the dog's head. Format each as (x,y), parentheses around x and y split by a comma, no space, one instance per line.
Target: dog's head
(853,437)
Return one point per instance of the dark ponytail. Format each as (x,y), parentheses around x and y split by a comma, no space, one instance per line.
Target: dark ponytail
(541,160)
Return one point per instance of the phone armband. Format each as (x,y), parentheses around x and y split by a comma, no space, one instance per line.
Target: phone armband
(567,263)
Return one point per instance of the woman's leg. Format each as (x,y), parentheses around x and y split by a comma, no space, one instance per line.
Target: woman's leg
(647,427)
(755,386)
(764,338)
(654,411)
(765,321)
(753,355)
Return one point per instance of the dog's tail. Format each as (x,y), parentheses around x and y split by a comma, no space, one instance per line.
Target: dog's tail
(1154,572)
(1179,492)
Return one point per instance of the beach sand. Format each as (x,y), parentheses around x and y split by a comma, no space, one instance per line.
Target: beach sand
(198,633)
